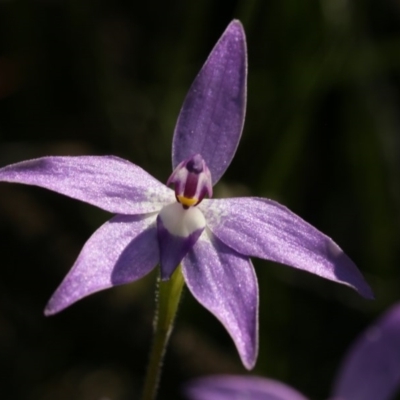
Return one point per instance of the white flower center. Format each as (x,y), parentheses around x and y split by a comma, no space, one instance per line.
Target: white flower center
(181,222)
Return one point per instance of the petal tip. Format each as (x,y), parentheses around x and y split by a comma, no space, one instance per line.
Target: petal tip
(345,271)
(54,305)
(363,289)
(249,357)
(250,364)
(367,292)
(235,26)
(47,313)
(50,311)
(166,276)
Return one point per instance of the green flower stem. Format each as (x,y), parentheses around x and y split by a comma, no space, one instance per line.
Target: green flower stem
(168,296)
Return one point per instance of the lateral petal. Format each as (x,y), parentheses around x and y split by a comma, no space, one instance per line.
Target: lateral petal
(211,119)
(371,369)
(108,182)
(225,283)
(263,228)
(121,251)
(231,387)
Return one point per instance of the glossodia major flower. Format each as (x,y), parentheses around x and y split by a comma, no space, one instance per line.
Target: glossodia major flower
(213,240)
(370,371)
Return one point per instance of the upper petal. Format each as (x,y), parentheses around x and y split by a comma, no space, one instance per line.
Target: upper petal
(231,387)
(224,282)
(211,119)
(371,369)
(108,182)
(122,250)
(263,228)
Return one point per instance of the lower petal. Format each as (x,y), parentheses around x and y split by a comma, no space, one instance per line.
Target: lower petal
(225,283)
(122,250)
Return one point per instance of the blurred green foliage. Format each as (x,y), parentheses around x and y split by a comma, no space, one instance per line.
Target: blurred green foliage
(321,136)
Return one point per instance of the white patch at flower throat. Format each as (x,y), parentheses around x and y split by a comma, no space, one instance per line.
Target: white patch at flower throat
(181,222)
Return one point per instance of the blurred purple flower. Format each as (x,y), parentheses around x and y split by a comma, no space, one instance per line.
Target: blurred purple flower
(212,239)
(370,371)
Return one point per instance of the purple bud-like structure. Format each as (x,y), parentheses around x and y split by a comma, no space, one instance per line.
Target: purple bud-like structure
(192,180)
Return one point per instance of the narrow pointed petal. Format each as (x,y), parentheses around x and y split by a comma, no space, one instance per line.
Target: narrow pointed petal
(122,250)
(178,230)
(225,283)
(231,387)
(108,182)
(211,119)
(263,228)
(371,369)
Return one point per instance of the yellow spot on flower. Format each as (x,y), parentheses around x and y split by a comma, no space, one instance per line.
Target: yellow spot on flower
(186,201)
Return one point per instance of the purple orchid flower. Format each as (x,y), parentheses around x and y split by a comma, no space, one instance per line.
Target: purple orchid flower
(370,371)
(213,240)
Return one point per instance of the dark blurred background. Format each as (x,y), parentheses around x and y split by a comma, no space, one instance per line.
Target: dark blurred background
(321,136)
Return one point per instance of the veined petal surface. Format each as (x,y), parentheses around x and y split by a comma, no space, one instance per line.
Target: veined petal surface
(224,282)
(121,251)
(263,228)
(231,387)
(211,119)
(108,182)
(371,369)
